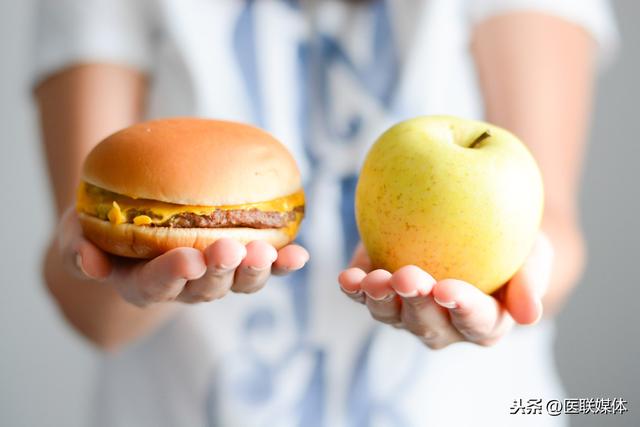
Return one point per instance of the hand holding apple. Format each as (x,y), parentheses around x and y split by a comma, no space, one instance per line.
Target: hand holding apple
(449,211)
(443,312)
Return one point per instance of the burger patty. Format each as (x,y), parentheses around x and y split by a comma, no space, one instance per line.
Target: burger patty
(250,218)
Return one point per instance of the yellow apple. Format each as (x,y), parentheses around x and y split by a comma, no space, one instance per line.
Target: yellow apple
(461,199)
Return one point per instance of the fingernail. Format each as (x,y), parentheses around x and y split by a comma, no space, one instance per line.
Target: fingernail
(389,298)
(411,294)
(232,265)
(419,291)
(234,262)
(384,298)
(288,270)
(259,269)
(298,267)
(346,291)
(79,265)
(292,269)
(540,313)
(446,304)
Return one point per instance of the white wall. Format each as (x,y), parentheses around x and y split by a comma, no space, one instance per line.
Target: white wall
(44,369)
(598,345)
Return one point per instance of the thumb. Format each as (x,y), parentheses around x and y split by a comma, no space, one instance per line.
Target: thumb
(80,257)
(523,295)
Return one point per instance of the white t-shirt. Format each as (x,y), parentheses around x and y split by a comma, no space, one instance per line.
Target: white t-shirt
(325,81)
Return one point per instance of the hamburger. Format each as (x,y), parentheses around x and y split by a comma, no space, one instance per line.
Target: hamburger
(180,182)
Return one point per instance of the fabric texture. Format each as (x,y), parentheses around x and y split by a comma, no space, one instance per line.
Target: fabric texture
(103,31)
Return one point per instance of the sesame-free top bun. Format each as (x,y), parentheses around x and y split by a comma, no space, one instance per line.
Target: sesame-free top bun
(193,162)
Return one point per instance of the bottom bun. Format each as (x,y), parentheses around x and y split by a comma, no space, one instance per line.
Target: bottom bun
(136,241)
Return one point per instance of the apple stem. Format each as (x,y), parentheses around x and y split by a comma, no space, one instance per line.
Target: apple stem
(486,134)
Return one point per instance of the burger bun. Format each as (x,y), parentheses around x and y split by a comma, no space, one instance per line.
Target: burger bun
(133,241)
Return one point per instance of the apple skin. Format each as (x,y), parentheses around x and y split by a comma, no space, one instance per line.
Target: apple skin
(462,199)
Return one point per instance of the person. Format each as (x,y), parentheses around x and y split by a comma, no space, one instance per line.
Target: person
(326,78)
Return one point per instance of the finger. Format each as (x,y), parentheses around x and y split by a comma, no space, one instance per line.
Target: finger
(376,285)
(479,317)
(386,310)
(423,317)
(290,258)
(411,281)
(222,258)
(91,261)
(160,279)
(523,294)
(381,299)
(81,257)
(521,300)
(350,281)
(255,268)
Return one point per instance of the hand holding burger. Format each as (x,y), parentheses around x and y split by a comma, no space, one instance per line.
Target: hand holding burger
(191,208)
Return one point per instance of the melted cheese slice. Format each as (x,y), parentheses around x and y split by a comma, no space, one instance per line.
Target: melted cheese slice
(114,207)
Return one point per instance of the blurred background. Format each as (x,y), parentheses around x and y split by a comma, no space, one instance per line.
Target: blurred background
(45,370)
